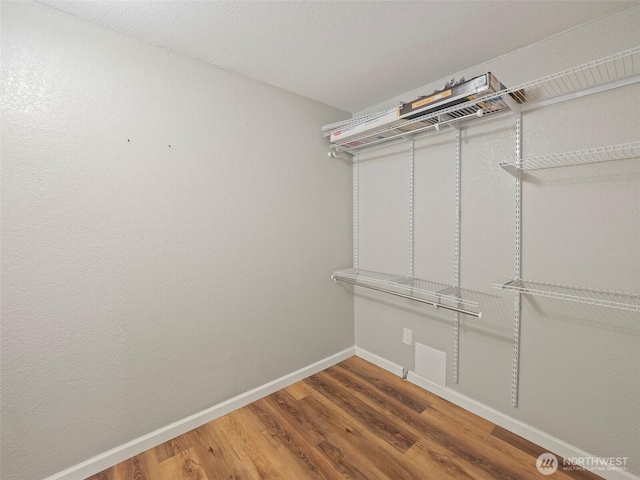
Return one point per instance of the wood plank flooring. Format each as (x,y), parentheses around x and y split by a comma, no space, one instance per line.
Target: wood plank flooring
(353,420)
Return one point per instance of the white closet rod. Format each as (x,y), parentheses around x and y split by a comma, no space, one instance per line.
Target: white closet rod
(335,278)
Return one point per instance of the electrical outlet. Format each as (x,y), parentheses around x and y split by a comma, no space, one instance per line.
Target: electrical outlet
(406,336)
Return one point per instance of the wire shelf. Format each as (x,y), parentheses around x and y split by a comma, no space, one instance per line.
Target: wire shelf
(427,123)
(414,287)
(332,127)
(599,75)
(579,157)
(589,296)
(608,71)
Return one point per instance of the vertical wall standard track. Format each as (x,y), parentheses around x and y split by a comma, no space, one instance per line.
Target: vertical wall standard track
(456,257)
(515,366)
(411,206)
(356,210)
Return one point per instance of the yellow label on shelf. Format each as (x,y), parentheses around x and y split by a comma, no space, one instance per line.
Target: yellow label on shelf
(431,99)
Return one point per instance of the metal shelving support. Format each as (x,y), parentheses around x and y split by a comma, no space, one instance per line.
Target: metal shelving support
(438,295)
(515,365)
(356,210)
(411,206)
(579,157)
(456,259)
(604,74)
(589,296)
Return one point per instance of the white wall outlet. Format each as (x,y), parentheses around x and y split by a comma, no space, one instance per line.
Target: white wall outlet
(406,336)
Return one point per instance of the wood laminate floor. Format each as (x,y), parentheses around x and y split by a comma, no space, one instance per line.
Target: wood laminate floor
(353,420)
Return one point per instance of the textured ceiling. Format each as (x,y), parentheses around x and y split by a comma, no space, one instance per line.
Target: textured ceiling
(347,54)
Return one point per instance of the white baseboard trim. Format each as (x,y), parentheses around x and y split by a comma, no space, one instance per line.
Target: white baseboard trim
(123,452)
(379,361)
(549,442)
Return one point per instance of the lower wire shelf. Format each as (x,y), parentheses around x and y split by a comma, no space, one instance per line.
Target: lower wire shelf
(589,296)
(579,157)
(438,295)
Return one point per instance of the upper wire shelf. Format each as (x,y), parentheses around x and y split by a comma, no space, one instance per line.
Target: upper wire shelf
(589,296)
(578,157)
(439,295)
(599,75)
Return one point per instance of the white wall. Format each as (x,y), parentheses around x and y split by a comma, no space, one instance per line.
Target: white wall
(168,235)
(579,368)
